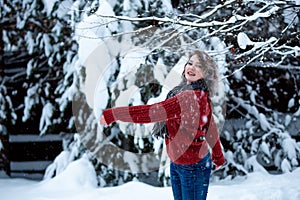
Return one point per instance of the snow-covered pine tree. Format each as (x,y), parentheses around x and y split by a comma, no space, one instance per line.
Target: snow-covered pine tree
(131,139)
(40,74)
(263,91)
(39,31)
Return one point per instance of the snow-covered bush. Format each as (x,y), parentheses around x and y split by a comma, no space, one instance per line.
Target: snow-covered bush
(79,173)
(71,152)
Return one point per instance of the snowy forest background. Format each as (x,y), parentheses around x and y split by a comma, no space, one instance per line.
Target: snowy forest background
(62,62)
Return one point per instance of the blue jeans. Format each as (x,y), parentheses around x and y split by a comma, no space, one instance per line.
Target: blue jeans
(190,182)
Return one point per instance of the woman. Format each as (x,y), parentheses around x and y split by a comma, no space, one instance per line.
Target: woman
(189,127)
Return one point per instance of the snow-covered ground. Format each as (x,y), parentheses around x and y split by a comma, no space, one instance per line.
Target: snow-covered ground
(78,182)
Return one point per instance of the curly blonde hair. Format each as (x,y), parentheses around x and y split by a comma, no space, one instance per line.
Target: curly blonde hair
(209,68)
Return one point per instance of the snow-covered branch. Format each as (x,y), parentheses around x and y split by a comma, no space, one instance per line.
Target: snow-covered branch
(252,110)
(232,20)
(258,64)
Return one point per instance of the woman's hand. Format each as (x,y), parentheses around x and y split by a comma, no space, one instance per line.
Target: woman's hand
(217,167)
(102,121)
(218,160)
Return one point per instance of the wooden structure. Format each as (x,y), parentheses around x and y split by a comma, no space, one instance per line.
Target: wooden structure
(31,154)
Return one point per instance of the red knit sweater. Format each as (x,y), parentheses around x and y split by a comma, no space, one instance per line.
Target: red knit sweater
(188,116)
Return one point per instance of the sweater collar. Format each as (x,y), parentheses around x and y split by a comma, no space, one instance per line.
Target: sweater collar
(197,85)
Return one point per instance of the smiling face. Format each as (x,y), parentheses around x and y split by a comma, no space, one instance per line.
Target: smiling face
(193,71)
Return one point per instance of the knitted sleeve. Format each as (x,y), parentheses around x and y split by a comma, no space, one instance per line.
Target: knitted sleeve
(213,139)
(168,109)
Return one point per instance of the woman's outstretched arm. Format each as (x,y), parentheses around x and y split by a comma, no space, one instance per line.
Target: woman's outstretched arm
(168,109)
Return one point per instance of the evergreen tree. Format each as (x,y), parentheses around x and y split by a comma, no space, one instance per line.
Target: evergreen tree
(39,72)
